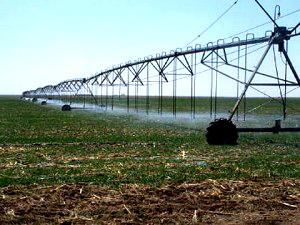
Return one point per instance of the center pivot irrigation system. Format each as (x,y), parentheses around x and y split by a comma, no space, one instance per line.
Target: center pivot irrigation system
(135,85)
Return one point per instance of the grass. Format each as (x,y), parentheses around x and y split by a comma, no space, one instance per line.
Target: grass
(43,145)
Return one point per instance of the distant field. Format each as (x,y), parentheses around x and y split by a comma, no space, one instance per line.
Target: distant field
(43,147)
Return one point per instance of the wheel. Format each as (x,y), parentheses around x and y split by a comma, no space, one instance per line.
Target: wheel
(43,103)
(66,108)
(221,132)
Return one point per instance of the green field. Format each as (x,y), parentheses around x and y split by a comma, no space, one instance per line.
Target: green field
(83,167)
(43,145)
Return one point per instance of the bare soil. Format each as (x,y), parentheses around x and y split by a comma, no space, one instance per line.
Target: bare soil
(207,202)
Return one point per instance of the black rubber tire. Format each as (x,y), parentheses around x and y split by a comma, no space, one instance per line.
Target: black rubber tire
(43,103)
(66,108)
(221,132)
(34,100)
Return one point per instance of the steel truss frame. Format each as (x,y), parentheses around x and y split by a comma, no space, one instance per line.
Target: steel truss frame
(213,56)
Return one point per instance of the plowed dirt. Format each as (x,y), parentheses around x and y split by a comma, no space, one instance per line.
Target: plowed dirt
(207,202)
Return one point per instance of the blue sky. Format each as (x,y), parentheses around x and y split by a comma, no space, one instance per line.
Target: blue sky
(46,41)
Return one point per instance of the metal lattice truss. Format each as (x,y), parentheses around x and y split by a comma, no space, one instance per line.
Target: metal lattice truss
(214,57)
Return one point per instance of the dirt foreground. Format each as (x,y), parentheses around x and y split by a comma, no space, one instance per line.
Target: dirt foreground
(207,202)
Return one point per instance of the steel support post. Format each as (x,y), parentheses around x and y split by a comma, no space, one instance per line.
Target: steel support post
(174,87)
(147,92)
